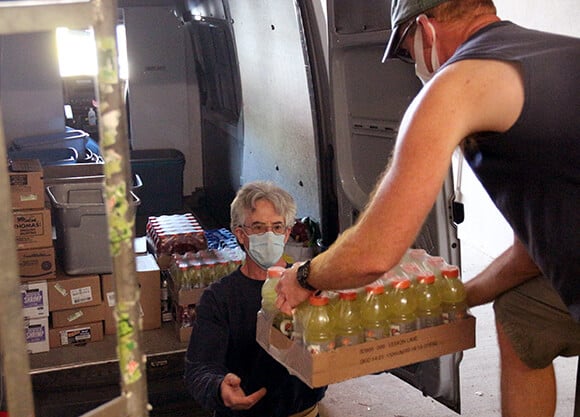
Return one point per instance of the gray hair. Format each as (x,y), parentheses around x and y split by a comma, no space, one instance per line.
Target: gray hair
(251,192)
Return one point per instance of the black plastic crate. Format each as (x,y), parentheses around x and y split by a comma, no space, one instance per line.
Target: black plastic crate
(161,172)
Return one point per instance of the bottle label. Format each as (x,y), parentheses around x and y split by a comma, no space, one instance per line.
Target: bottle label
(284,324)
(348,340)
(319,347)
(453,315)
(430,321)
(375,334)
(403,327)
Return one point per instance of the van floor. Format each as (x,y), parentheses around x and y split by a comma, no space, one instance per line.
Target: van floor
(385,395)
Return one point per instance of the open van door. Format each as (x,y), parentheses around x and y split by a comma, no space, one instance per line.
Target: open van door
(319,114)
(368,99)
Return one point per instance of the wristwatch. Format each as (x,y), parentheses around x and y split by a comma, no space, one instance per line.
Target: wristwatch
(302,276)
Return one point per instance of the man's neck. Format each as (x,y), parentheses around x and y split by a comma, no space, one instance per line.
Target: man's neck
(252,270)
(456,33)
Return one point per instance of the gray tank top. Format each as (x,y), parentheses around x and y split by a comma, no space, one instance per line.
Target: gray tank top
(532,172)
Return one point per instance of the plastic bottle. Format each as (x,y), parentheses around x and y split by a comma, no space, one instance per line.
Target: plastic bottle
(165,302)
(429,309)
(454,297)
(349,330)
(403,307)
(375,313)
(92,117)
(414,255)
(319,335)
(300,316)
(273,275)
(410,270)
(280,321)
(435,264)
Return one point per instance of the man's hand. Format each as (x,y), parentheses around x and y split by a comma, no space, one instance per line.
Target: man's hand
(290,293)
(234,396)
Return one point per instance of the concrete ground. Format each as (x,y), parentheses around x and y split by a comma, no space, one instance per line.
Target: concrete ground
(484,235)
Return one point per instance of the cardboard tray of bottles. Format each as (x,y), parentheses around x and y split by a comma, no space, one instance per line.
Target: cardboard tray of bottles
(317,370)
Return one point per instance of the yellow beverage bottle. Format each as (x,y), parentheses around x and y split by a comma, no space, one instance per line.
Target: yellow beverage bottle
(435,264)
(454,298)
(375,313)
(269,295)
(300,316)
(403,307)
(349,330)
(429,309)
(319,335)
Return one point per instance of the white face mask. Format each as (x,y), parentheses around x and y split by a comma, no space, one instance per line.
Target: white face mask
(421,69)
(266,249)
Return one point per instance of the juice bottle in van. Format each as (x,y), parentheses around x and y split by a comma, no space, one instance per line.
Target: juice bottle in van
(319,335)
(375,313)
(403,306)
(429,310)
(454,298)
(349,330)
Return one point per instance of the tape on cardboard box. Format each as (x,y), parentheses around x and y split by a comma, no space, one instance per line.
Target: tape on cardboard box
(77,316)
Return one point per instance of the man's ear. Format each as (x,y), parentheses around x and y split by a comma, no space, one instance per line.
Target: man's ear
(426,29)
(287,235)
(239,234)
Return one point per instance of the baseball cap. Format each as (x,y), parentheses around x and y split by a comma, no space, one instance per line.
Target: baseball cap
(402,11)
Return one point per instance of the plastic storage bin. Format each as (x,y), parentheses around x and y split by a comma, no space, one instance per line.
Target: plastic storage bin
(161,171)
(80,220)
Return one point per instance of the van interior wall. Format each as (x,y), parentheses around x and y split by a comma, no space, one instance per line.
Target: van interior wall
(163,93)
(279,138)
(30,85)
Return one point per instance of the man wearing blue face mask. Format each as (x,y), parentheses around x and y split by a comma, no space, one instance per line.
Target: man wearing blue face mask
(226,371)
(509,97)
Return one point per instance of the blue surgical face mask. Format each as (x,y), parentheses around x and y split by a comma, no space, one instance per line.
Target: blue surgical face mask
(266,249)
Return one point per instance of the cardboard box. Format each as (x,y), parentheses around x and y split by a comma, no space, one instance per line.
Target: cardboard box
(148,277)
(36,263)
(73,292)
(366,358)
(32,228)
(183,296)
(34,299)
(36,335)
(75,335)
(183,333)
(26,184)
(78,316)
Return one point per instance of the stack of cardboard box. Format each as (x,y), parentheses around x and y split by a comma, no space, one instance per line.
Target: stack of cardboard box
(64,309)
(33,233)
(76,310)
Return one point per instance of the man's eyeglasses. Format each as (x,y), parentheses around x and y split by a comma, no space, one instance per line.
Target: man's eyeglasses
(402,53)
(261,228)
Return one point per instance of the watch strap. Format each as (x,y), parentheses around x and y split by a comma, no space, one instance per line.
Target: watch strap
(302,276)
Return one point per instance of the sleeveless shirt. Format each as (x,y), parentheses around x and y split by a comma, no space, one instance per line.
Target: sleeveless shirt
(532,171)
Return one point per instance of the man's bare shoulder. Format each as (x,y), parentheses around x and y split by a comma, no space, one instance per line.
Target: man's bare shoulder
(488,94)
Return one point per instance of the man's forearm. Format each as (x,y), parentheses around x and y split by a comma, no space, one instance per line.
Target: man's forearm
(508,270)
